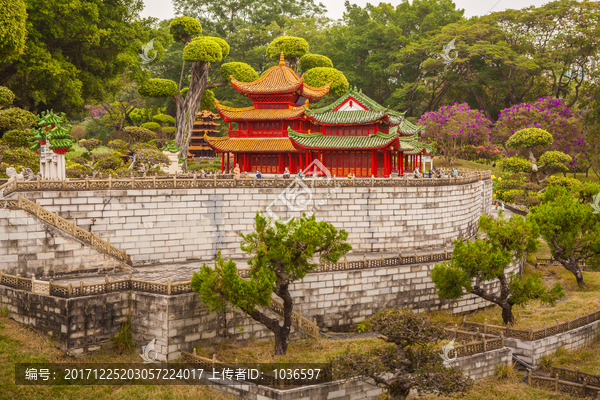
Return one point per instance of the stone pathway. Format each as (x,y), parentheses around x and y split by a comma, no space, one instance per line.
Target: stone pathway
(182,272)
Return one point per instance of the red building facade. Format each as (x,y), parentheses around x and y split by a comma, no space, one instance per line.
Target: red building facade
(352,135)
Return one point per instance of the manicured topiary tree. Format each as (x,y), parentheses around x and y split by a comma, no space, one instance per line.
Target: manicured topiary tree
(139,134)
(310,61)
(281,253)
(408,363)
(151,126)
(292,48)
(240,71)
(486,260)
(200,51)
(16,118)
(322,76)
(530,143)
(163,119)
(6,97)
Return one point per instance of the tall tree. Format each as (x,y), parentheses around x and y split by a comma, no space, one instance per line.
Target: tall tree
(13,32)
(75,52)
(281,253)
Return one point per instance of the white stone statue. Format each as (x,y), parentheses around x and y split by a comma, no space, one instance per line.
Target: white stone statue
(28,174)
(12,173)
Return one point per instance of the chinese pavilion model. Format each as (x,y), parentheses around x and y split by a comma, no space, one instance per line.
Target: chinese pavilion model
(204,124)
(352,135)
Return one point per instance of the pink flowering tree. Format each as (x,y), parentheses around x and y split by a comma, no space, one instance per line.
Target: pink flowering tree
(552,115)
(453,127)
(486,151)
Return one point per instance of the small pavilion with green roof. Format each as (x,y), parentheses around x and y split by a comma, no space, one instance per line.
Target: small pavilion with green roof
(357,135)
(353,135)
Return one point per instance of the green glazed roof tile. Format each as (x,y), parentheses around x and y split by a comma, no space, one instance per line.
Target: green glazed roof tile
(320,141)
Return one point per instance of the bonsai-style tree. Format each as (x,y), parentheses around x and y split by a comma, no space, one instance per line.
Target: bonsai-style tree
(571,229)
(147,156)
(292,48)
(310,61)
(281,253)
(200,51)
(453,127)
(486,260)
(97,162)
(531,142)
(408,363)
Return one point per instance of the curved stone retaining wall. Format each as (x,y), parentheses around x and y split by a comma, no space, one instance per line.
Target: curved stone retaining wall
(177,225)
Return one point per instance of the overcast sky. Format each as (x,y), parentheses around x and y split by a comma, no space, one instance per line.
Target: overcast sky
(163,9)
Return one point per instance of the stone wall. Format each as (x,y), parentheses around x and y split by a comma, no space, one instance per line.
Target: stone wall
(483,365)
(29,246)
(177,225)
(337,300)
(532,351)
(79,326)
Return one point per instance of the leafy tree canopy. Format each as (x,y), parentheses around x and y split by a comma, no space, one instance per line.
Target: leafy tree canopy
(76,50)
(184,29)
(281,253)
(411,364)
(322,76)
(13,32)
(239,70)
(310,61)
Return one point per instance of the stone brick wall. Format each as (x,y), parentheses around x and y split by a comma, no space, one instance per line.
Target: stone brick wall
(29,246)
(532,351)
(483,365)
(176,225)
(79,326)
(340,300)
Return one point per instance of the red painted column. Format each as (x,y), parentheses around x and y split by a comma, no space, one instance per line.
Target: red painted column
(290,162)
(374,163)
(280,166)
(222,162)
(421,162)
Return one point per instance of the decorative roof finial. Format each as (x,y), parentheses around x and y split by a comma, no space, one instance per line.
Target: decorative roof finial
(281,60)
(306,103)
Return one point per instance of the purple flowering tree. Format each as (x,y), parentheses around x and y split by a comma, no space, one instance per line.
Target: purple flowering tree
(552,115)
(452,127)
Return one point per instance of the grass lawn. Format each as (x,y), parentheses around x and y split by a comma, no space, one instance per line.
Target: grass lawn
(587,359)
(19,343)
(577,302)
(497,389)
(300,351)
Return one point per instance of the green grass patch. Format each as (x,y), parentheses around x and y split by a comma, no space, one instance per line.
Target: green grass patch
(18,343)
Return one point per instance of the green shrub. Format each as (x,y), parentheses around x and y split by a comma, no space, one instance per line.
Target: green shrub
(16,118)
(152,126)
(6,96)
(163,119)
(17,138)
(156,87)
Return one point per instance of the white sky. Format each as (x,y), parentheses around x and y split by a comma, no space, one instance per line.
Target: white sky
(163,9)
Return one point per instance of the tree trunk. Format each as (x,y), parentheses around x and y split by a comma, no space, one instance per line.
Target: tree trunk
(188,108)
(507,316)
(398,396)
